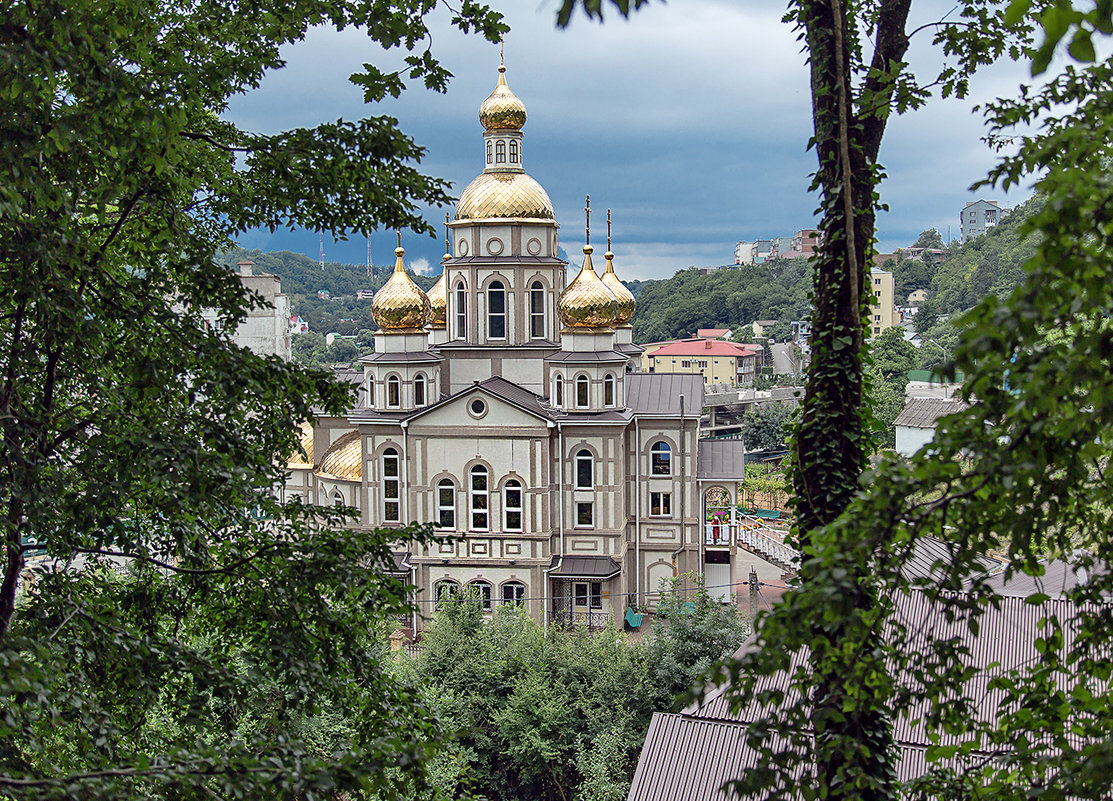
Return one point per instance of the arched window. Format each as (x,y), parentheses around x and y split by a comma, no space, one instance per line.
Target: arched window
(461,311)
(558,392)
(496,311)
(480,520)
(371,392)
(513,592)
(608,390)
(490,145)
(512,505)
(581,392)
(419,390)
(444,591)
(585,469)
(337,498)
(500,152)
(446,503)
(513,151)
(537,310)
(393,392)
(483,592)
(660,459)
(392,494)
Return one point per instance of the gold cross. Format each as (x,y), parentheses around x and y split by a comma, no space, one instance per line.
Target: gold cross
(447,246)
(608,229)
(500,52)
(587,226)
(399,232)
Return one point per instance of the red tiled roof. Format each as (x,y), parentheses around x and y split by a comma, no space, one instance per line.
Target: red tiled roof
(712,333)
(706,347)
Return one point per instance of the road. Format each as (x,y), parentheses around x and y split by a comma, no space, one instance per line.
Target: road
(785,359)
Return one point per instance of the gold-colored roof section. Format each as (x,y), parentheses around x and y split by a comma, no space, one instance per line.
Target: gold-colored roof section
(438,303)
(502,110)
(400,305)
(503,195)
(587,302)
(625,298)
(303,456)
(344,458)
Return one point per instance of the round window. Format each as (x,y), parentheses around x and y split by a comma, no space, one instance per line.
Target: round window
(478,407)
(462,246)
(534,246)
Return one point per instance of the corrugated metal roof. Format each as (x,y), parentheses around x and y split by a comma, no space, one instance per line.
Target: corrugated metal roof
(923,412)
(659,393)
(721,459)
(1058,578)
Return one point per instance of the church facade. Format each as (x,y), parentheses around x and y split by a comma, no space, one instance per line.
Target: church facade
(506,408)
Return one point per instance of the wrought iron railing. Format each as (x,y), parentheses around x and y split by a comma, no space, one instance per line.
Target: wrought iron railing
(562,618)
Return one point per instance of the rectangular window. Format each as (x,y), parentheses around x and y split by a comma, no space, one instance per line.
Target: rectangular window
(513,593)
(686,364)
(580,593)
(537,312)
(513,510)
(585,514)
(660,504)
(446,506)
(596,595)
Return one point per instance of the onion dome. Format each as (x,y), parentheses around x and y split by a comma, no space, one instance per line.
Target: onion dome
(438,303)
(303,456)
(504,195)
(344,458)
(586,302)
(400,305)
(626,302)
(502,110)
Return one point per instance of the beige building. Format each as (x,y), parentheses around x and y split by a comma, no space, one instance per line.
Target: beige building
(504,408)
(716,361)
(266,330)
(882,309)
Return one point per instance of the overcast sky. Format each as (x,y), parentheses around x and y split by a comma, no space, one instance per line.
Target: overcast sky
(690,121)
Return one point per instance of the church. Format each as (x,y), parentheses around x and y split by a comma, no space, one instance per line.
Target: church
(506,408)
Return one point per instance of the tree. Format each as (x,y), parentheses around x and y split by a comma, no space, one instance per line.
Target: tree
(766,428)
(930,238)
(139,451)
(893,355)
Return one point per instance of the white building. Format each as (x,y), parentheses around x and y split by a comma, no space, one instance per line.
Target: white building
(505,407)
(267,328)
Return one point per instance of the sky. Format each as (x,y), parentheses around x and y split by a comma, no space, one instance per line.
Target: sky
(690,121)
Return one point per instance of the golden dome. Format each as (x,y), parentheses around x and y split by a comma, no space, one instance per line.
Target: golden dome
(438,303)
(344,458)
(626,302)
(587,302)
(400,305)
(303,457)
(502,110)
(504,195)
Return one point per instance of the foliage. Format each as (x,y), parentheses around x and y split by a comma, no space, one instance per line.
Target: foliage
(930,238)
(764,486)
(133,440)
(766,428)
(892,354)
(562,714)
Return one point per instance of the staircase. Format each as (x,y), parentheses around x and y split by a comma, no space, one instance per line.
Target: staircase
(758,536)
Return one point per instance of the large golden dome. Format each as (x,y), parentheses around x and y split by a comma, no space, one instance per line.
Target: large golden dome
(587,302)
(344,458)
(303,456)
(400,305)
(502,110)
(626,302)
(438,303)
(504,195)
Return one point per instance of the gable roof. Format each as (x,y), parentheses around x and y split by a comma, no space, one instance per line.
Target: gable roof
(923,412)
(712,333)
(706,347)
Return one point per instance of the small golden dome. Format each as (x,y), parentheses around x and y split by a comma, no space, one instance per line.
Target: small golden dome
(502,110)
(587,302)
(344,458)
(504,195)
(438,303)
(303,457)
(400,305)
(626,302)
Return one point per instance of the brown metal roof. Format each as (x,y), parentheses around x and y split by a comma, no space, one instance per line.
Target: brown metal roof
(659,393)
(586,567)
(721,459)
(923,412)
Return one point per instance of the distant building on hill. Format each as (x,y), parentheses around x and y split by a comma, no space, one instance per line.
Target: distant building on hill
(715,333)
(802,244)
(978,216)
(718,361)
(881,301)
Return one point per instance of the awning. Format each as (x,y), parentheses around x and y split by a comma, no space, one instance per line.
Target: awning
(584,568)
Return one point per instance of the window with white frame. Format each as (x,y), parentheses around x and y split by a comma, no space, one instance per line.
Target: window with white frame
(444,591)
(581,391)
(537,310)
(393,392)
(419,390)
(461,311)
(608,390)
(337,498)
(392,487)
(660,504)
(446,503)
(513,151)
(483,592)
(490,149)
(371,391)
(512,505)
(496,310)
(585,470)
(585,514)
(558,392)
(480,519)
(500,152)
(660,459)
(513,592)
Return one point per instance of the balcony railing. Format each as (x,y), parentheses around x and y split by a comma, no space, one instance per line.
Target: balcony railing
(721,534)
(593,621)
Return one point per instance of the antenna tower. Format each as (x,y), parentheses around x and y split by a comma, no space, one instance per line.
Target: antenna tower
(369,255)
(321,248)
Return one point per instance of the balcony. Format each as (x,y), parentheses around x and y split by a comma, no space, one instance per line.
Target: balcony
(719,534)
(592,621)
